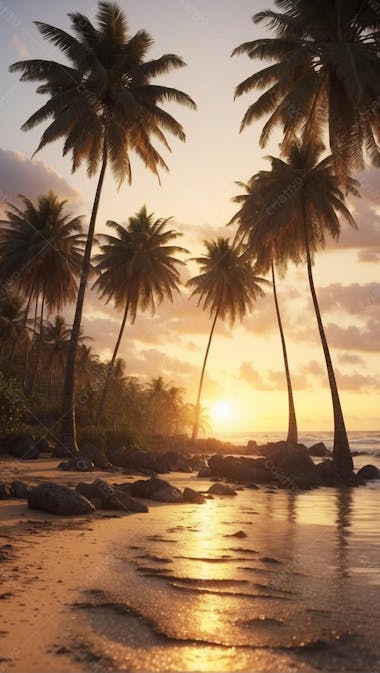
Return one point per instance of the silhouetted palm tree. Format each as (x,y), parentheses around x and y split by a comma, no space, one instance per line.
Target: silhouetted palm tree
(13,327)
(324,76)
(274,256)
(228,286)
(137,269)
(292,209)
(41,250)
(104,106)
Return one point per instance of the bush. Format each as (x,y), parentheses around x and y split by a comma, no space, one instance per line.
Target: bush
(12,404)
(92,434)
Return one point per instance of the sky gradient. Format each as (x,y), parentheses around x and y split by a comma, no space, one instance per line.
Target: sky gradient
(245,365)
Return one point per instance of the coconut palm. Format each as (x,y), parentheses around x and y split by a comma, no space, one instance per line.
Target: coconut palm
(137,269)
(292,209)
(104,105)
(41,251)
(268,262)
(13,327)
(228,286)
(324,75)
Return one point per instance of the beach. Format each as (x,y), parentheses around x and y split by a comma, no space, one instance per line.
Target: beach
(267,580)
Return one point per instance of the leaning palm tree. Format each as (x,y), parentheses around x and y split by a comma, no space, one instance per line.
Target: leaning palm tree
(228,286)
(273,257)
(137,269)
(292,209)
(41,250)
(324,75)
(104,105)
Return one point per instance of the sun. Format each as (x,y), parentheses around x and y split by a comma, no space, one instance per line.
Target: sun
(221,411)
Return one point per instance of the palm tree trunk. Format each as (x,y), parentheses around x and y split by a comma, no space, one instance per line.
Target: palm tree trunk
(26,354)
(194,434)
(68,439)
(38,351)
(292,423)
(341,449)
(111,364)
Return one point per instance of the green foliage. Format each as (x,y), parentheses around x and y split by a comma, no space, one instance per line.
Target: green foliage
(12,403)
(92,434)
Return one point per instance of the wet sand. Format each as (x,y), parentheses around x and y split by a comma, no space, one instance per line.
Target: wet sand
(264,581)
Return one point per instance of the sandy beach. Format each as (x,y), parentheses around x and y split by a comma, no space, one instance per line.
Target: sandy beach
(265,581)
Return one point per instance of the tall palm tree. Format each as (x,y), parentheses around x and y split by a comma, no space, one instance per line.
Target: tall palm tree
(228,286)
(137,269)
(292,209)
(274,257)
(324,75)
(41,250)
(104,105)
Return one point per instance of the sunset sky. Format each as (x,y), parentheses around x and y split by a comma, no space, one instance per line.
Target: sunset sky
(245,366)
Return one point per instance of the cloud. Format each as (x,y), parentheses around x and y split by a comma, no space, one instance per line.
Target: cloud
(356,382)
(365,338)
(299,381)
(351,359)
(20,175)
(353,299)
(20,46)
(251,376)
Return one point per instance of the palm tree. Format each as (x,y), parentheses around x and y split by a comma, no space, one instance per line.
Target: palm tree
(137,269)
(41,250)
(13,328)
(291,209)
(104,106)
(228,286)
(324,75)
(273,257)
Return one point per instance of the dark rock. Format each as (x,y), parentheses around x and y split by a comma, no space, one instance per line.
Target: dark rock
(156,489)
(319,450)
(331,475)
(189,495)
(204,472)
(110,497)
(252,485)
(369,472)
(77,464)
(240,470)
(24,447)
(58,499)
(239,533)
(19,490)
(43,446)
(291,466)
(96,456)
(221,489)
(174,461)
(5,491)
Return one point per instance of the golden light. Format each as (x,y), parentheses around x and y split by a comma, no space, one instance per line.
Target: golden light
(221,411)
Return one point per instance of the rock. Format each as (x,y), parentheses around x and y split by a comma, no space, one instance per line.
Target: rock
(110,497)
(291,466)
(24,447)
(19,490)
(77,464)
(221,489)
(96,456)
(331,475)
(43,446)
(369,472)
(240,470)
(189,495)
(58,499)
(174,461)
(252,485)
(156,489)
(319,450)
(5,491)
(239,533)
(204,472)
(133,458)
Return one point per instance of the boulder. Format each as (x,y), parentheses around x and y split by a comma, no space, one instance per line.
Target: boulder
(24,447)
(189,495)
(5,491)
(110,497)
(43,446)
(331,475)
(204,472)
(156,489)
(134,459)
(319,450)
(291,466)
(77,463)
(221,489)
(369,472)
(58,499)
(96,456)
(241,469)
(19,490)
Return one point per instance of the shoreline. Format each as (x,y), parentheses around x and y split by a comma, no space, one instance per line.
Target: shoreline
(175,589)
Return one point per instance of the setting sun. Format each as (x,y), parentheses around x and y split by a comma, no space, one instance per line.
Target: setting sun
(221,411)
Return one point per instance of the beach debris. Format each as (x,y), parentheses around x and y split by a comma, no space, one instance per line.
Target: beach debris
(58,499)
(107,496)
(369,472)
(156,489)
(221,489)
(189,495)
